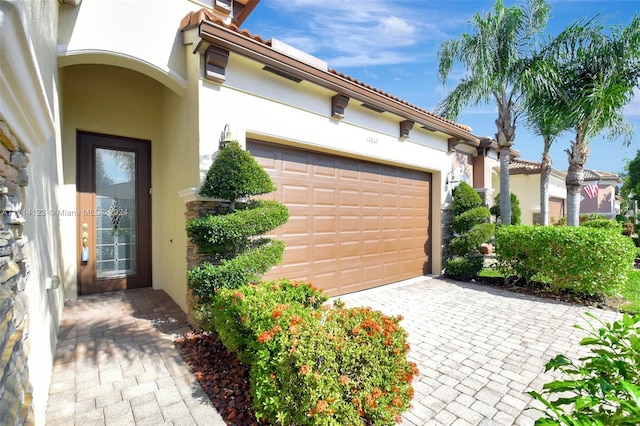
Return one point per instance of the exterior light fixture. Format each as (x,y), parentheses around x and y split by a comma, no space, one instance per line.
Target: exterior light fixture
(226,136)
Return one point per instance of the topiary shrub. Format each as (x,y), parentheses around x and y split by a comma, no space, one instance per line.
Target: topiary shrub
(471,229)
(233,238)
(594,261)
(516,212)
(316,366)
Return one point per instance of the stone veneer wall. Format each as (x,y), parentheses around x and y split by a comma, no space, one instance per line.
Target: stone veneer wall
(15,388)
(196,210)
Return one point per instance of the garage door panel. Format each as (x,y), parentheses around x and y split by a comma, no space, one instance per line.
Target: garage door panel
(324,224)
(324,197)
(353,224)
(294,195)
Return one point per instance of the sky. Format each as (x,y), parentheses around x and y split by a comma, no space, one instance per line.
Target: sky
(393,45)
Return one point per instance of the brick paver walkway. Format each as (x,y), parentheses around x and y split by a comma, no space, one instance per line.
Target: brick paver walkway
(478,350)
(116,364)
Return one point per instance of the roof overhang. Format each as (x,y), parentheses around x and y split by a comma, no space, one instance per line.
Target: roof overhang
(240,42)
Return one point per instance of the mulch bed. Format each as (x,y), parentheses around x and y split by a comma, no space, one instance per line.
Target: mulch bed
(221,375)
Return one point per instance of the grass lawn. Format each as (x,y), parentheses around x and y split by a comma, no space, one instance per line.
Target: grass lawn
(631,293)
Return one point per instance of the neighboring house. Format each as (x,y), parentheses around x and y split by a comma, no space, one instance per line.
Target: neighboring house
(525,183)
(598,194)
(125,103)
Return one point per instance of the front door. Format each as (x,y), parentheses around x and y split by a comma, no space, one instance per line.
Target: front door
(114,213)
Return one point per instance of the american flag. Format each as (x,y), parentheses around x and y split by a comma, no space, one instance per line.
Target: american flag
(591,190)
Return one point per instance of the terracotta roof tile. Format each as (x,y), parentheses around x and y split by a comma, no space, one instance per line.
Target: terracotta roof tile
(193,19)
(530,167)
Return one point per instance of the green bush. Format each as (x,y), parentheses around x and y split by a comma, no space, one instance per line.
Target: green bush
(472,239)
(329,366)
(235,174)
(228,234)
(234,312)
(603,223)
(604,389)
(587,260)
(465,267)
(468,219)
(247,267)
(516,211)
(465,198)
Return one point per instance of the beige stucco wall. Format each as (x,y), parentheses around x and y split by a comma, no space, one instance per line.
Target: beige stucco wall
(121,102)
(527,189)
(261,105)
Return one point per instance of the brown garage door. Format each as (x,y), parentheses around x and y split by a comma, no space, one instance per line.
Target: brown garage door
(353,224)
(556,209)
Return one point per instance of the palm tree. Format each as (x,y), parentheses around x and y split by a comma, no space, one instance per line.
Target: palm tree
(492,57)
(593,71)
(539,96)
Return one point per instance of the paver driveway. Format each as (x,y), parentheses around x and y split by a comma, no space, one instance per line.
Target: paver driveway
(478,348)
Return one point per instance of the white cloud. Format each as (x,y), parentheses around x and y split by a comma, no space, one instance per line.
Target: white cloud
(350,34)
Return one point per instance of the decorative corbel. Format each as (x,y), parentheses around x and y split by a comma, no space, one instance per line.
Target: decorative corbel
(338,104)
(215,63)
(452,143)
(405,128)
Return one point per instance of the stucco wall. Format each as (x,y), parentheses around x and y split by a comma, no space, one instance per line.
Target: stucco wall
(527,189)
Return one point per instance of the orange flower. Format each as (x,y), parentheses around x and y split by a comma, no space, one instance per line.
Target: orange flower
(275,329)
(294,329)
(239,295)
(321,406)
(377,393)
(304,369)
(355,331)
(296,319)
(397,401)
(344,380)
(276,314)
(265,336)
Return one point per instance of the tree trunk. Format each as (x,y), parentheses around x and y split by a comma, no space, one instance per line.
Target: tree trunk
(505,136)
(545,172)
(505,190)
(575,177)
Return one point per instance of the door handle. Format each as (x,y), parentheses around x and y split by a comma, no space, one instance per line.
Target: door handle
(84,256)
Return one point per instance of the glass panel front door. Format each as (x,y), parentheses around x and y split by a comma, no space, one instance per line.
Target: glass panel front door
(115,213)
(114,223)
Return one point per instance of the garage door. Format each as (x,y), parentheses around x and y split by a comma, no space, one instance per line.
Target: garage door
(353,224)
(556,209)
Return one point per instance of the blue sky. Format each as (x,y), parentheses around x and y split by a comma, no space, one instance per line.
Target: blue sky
(393,46)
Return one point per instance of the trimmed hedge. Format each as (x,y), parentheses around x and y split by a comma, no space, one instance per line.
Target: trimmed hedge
(316,366)
(235,174)
(226,234)
(583,259)
(465,198)
(472,239)
(247,267)
(470,218)
(603,223)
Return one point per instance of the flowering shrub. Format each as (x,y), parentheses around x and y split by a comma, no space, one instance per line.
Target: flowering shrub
(315,365)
